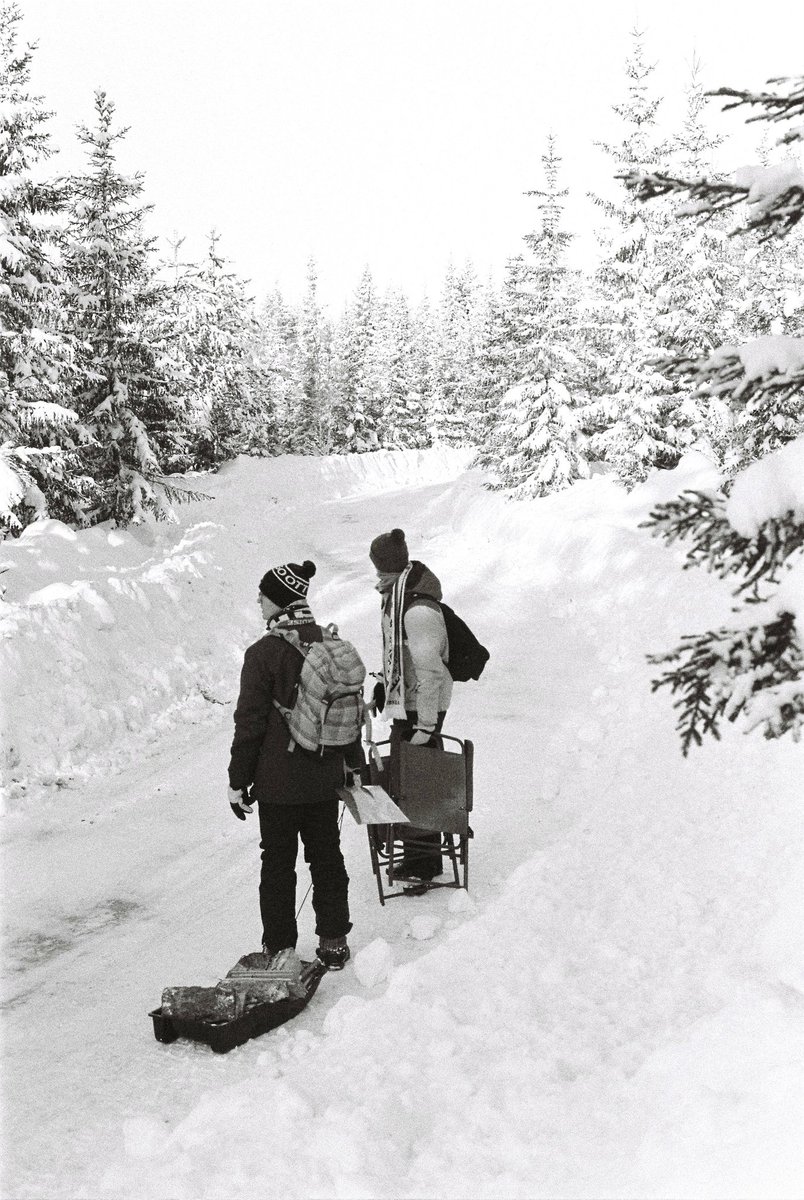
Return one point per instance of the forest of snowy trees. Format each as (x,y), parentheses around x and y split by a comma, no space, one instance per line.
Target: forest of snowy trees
(124,368)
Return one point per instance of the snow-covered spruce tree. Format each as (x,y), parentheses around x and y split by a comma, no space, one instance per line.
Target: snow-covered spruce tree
(357,406)
(120,394)
(537,436)
(423,368)
(307,418)
(229,414)
(490,374)
(704,297)
(504,335)
(636,422)
(754,667)
(404,417)
(39,430)
(455,357)
(724,292)
(277,349)
(539,424)
(172,328)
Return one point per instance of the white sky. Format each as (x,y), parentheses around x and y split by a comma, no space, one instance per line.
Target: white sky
(397,133)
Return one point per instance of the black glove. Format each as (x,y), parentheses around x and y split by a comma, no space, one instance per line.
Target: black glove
(239,802)
(378,696)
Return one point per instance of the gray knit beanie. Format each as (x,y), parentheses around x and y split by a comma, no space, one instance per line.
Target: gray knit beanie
(389,551)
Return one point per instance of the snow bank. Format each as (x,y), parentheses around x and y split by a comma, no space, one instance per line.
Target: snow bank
(340,476)
(771,487)
(582,1036)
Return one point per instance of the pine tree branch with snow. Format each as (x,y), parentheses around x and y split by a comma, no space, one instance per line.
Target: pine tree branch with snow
(38,422)
(774,194)
(699,518)
(775,106)
(723,674)
(762,382)
(755,528)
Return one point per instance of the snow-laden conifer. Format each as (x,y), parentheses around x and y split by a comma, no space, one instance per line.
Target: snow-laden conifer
(211,357)
(277,349)
(505,331)
(637,421)
(39,429)
(752,668)
(540,426)
(121,394)
(404,414)
(455,356)
(306,416)
(535,443)
(492,372)
(357,405)
(423,367)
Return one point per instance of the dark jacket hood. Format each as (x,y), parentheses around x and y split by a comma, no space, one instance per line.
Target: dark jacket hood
(422,581)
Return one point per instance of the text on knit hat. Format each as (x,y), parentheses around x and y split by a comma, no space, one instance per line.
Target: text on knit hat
(287,583)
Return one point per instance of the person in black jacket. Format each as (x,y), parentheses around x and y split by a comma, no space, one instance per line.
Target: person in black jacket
(295,790)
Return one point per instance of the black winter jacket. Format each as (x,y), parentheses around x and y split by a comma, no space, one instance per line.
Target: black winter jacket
(261,756)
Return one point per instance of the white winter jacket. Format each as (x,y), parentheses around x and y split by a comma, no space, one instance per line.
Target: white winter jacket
(428,683)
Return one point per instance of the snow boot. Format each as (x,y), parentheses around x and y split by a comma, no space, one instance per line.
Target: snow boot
(415,874)
(334,953)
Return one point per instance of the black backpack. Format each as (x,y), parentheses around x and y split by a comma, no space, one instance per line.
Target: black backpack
(466,656)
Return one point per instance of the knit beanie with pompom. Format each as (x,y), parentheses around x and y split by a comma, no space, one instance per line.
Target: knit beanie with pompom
(389,551)
(288,583)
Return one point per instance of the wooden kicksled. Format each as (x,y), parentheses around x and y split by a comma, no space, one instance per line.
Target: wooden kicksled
(424,787)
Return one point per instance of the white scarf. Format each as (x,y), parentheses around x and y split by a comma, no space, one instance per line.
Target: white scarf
(393,662)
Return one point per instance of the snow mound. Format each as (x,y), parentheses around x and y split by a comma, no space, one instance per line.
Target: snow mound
(461,902)
(374,963)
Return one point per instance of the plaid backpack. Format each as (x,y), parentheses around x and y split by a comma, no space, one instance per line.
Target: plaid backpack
(327,709)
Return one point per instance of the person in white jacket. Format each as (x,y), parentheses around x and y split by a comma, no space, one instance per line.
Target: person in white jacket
(417,687)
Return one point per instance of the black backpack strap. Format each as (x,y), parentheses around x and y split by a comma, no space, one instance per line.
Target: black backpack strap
(412,598)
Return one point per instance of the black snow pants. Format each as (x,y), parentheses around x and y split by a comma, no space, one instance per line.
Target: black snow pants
(281,826)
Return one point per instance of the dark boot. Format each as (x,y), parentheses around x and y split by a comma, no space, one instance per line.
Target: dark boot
(334,953)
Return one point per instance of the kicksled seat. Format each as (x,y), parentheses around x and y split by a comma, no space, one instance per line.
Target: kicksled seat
(426,787)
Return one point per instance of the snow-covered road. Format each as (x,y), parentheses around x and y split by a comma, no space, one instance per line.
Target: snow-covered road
(615,1011)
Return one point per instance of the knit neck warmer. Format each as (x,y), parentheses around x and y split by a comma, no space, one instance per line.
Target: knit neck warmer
(385,581)
(292,617)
